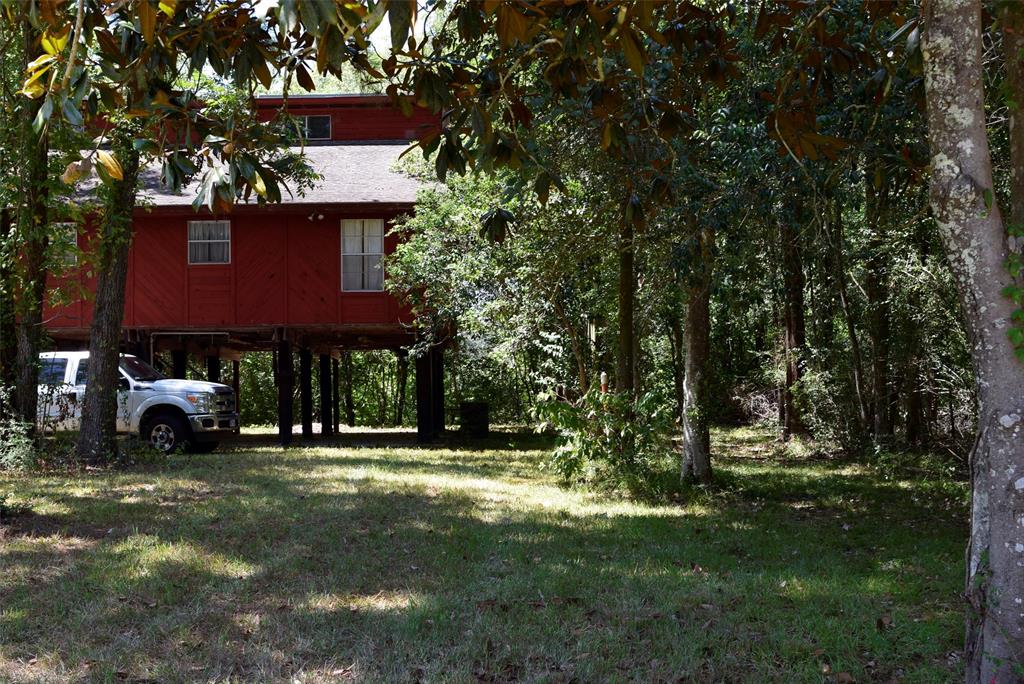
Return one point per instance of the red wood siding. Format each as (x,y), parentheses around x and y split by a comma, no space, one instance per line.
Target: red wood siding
(314,277)
(158,276)
(357,117)
(284,270)
(260,250)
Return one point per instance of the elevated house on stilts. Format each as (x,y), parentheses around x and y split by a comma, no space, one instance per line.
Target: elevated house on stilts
(301,276)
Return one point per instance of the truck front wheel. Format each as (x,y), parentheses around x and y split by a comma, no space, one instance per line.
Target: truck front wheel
(167,433)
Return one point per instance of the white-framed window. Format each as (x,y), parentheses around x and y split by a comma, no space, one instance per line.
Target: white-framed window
(317,126)
(362,246)
(209,242)
(66,243)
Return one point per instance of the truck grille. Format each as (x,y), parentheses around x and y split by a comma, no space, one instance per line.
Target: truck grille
(224,401)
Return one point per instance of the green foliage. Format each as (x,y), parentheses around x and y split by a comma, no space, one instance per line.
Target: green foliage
(610,442)
(17,451)
(375,387)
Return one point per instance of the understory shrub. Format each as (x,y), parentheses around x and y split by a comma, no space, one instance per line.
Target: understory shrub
(16,450)
(610,443)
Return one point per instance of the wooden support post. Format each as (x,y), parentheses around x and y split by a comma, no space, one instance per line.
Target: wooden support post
(306,391)
(236,383)
(335,375)
(213,369)
(326,405)
(179,364)
(424,407)
(285,388)
(429,395)
(139,347)
(402,382)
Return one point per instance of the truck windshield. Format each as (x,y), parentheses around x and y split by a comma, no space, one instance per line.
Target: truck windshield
(139,370)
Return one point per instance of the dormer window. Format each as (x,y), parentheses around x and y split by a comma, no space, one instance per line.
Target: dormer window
(317,127)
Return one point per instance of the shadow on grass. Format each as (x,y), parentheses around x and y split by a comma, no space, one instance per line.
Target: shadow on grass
(382,565)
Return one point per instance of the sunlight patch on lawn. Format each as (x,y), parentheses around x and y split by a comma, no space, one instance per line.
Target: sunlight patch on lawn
(502,494)
(380,602)
(141,556)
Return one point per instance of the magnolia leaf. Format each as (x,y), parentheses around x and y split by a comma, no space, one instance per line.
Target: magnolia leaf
(543,187)
(43,115)
(73,173)
(40,61)
(262,72)
(288,15)
(305,80)
(400,14)
(32,90)
(110,164)
(512,25)
(258,185)
(53,43)
(71,113)
(147,20)
(631,49)
(168,7)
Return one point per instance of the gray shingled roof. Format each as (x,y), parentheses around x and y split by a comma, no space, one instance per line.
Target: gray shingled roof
(352,173)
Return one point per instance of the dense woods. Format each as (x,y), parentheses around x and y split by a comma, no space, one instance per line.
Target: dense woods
(650,218)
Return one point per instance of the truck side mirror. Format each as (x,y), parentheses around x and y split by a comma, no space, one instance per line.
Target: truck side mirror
(123,385)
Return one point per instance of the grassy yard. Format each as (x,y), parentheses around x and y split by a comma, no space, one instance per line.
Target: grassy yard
(469,564)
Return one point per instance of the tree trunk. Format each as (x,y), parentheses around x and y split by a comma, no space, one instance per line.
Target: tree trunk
(96,441)
(978,247)
(33,238)
(8,327)
(578,349)
(627,302)
(851,330)
(793,325)
(677,343)
(401,386)
(1012,21)
(915,404)
(350,410)
(876,288)
(697,334)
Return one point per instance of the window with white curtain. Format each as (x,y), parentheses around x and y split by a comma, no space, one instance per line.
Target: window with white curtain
(209,242)
(362,246)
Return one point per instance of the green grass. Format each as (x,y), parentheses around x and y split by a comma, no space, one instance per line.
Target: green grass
(468,563)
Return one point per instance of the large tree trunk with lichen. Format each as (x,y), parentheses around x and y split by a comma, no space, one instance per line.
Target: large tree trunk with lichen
(696,464)
(978,246)
(96,441)
(33,238)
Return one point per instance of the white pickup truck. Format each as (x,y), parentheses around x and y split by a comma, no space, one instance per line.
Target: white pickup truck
(168,414)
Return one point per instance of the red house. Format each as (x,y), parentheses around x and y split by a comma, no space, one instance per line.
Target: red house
(305,273)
